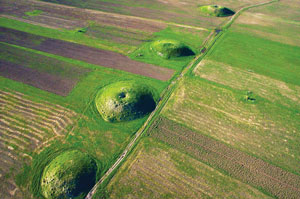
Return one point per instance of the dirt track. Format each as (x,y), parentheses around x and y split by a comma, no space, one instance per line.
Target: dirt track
(249,169)
(84,53)
(41,80)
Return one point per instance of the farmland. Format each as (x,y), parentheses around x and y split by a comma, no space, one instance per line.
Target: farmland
(149,99)
(156,170)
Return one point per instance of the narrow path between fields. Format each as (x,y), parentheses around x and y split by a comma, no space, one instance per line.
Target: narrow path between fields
(208,43)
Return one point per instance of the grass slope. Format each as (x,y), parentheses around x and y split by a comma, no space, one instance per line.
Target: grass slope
(124,101)
(169,49)
(69,175)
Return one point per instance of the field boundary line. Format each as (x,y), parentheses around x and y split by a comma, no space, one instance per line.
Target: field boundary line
(29,21)
(234,160)
(122,16)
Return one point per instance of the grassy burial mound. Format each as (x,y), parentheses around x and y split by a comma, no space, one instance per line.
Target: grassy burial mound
(169,49)
(70,175)
(124,101)
(216,11)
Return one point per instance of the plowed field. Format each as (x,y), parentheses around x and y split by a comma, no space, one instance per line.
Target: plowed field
(84,53)
(248,169)
(24,126)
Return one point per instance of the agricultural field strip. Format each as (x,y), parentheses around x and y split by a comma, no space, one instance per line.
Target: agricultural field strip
(45,106)
(61,118)
(140,20)
(250,170)
(39,79)
(75,20)
(38,119)
(84,53)
(230,76)
(30,21)
(149,171)
(17,133)
(54,120)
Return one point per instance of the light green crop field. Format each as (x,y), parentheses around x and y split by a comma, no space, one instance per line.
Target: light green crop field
(225,125)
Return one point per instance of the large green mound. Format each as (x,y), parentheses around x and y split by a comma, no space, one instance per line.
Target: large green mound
(215,10)
(124,101)
(70,175)
(171,49)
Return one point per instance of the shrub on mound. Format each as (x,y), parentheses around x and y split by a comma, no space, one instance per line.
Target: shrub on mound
(171,49)
(124,101)
(69,175)
(215,10)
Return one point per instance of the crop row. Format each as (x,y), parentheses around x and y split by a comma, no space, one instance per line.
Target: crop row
(24,126)
(244,167)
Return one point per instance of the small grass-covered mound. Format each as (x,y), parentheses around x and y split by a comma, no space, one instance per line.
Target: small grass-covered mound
(70,175)
(124,101)
(171,49)
(215,10)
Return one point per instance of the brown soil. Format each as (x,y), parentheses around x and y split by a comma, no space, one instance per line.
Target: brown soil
(41,80)
(84,53)
(248,169)
(74,16)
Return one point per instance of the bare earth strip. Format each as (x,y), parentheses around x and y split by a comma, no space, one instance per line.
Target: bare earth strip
(41,80)
(84,53)
(23,128)
(249,169)
(76,17)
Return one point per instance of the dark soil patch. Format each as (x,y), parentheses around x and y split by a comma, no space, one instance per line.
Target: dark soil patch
(33,77)
(84,53)
(248,169)
(75,16)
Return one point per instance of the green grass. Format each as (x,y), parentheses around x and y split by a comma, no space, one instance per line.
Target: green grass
(169,49)
(90,133)
(71,174)
(125,100)
(273,59)
(218,110)
(216,11)
(192,40)
(34,13)
(67,35)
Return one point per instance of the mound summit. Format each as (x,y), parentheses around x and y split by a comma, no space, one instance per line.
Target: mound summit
(171,49)
(70,175)
(215,10)
(124,101)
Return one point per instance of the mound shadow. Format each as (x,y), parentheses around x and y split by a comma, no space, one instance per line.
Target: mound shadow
(125,101)
(169,49)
